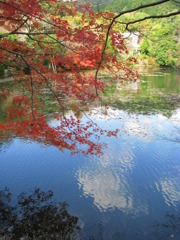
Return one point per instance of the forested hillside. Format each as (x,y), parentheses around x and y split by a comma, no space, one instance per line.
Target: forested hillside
(160,38)
(121,5)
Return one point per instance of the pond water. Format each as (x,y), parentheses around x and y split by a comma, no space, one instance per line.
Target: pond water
(130,192)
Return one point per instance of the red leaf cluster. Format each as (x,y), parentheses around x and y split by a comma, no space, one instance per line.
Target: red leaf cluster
(49,55)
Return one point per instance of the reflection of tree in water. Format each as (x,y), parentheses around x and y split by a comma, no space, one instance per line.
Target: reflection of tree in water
(6,216)
(35,217)
(169,229)
(148,105)
(175,135)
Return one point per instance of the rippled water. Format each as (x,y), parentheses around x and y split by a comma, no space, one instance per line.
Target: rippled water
(133,190)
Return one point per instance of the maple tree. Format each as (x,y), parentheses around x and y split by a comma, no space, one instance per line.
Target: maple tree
(48,55)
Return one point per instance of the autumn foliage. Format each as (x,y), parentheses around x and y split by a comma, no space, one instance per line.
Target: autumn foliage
(50,55)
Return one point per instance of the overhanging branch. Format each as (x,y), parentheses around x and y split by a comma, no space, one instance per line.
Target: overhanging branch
(153,17)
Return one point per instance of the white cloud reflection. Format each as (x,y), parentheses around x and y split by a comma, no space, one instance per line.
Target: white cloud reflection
(108,180)
(144,127)
(170,191)
(106,188)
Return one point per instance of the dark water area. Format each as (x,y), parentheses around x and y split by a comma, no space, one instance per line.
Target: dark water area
(131,192)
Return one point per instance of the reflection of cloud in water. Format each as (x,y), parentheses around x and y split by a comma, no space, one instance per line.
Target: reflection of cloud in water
(170,191)
(123,159)
(107,181)
(138,129)
(107,189)
(176,118)
(145,127)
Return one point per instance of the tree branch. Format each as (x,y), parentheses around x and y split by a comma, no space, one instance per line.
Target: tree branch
(153,17)
(15,30)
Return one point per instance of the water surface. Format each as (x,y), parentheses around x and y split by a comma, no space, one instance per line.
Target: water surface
(133,190)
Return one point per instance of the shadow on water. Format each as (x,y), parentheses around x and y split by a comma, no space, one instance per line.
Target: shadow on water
(35,216)
(169,229)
